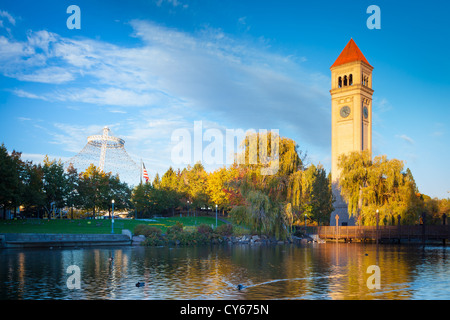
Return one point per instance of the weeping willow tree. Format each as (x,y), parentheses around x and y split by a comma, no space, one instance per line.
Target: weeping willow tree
(380,184)
(353,178)
(294,191)
(260,212)
(309,192)
(271,155)
(268,161)
(264,216)
(273,202)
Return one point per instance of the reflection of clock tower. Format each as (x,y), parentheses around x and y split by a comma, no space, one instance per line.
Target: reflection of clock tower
(351,115)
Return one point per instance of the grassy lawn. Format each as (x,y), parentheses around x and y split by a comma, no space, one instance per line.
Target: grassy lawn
(95,226)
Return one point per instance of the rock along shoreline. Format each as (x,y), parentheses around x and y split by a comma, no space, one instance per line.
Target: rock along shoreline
(232,240)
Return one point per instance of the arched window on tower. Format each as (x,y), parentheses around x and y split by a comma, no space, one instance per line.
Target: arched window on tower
(340,82)
(345,80)
(350,80)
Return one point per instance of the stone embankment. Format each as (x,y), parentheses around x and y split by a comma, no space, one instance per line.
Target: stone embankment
(36,240)
(236,240)
(255,239)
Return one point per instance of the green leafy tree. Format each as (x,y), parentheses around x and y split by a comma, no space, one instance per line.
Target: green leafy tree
(118,191)
(93,189)
(33,195)
(54,183)
(10,183)
(321,196)
(309,192)
(139,199)
(71,192)
(169,183)
(150,201)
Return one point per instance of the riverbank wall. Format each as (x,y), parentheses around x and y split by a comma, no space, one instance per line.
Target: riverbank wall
(40,240)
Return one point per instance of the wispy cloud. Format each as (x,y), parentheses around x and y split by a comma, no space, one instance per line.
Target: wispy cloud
(24,119)
(438,130)
(106,96)
(71,137)
(173,3)
(54,75)
(381,105)
(117,111)
(406,138)
(25,94)
(39,158)
(8,16)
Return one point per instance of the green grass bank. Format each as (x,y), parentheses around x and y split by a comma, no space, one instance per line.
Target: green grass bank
(97,226)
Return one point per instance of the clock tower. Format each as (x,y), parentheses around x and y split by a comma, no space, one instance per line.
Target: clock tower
(351,116)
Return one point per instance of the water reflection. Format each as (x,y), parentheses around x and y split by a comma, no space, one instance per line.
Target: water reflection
(316,271)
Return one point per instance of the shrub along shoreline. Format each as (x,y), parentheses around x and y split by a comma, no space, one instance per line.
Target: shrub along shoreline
(203,234)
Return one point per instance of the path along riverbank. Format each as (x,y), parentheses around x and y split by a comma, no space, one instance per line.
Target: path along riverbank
(39,240)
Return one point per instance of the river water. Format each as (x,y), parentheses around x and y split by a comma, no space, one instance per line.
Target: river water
(310,271)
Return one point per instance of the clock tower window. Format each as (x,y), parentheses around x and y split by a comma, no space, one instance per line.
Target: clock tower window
(365,80)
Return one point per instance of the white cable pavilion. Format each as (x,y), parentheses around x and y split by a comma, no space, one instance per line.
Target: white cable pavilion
(109,155)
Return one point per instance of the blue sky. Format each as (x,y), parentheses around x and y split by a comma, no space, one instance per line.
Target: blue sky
(148,68)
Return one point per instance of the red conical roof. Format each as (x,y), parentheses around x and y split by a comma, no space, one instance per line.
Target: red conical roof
(350,53)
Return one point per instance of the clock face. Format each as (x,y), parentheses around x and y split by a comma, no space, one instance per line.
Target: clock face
(345,111)
(366,112)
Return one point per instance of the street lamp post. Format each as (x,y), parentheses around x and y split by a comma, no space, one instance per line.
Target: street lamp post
(216,216)
(52,209)
(112,217)
(188,208)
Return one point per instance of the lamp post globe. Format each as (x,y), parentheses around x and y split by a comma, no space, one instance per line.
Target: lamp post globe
(188,208)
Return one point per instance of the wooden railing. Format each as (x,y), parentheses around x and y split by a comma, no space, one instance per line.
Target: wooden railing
(421,232)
